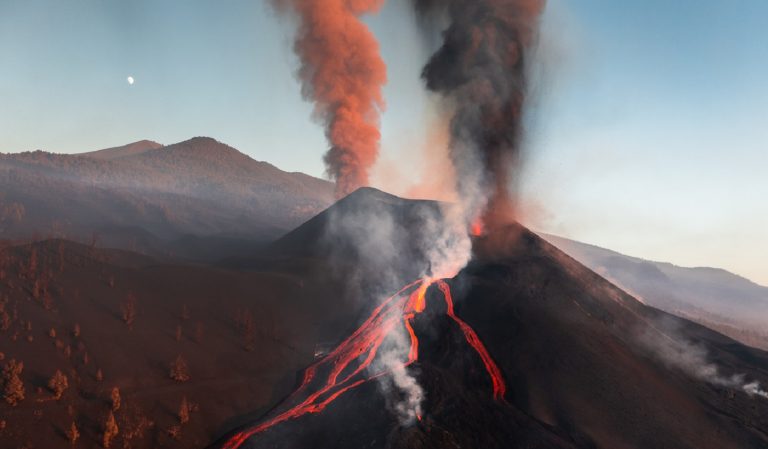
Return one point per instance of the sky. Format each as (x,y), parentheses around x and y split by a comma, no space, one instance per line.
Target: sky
(646,129)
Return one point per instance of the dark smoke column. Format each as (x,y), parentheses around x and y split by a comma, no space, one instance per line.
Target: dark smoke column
(343,73)
(480,70)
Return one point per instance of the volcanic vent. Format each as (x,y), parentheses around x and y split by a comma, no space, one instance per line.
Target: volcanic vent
(523,348)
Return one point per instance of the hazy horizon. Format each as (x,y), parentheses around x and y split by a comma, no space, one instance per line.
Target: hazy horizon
(643,142)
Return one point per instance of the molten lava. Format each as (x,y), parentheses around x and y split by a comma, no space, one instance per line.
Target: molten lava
(477,228)
(346,366)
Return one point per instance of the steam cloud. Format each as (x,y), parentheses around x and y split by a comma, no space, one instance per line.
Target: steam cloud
(342,71)
(676,351)
(480,72)
(402,391)
(380,247)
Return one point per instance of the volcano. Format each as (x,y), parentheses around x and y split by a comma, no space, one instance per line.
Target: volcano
(524,347)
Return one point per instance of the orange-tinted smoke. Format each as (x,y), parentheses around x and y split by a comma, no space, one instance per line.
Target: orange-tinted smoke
(343,73)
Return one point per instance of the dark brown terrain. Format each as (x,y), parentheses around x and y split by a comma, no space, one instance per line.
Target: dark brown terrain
(569,345)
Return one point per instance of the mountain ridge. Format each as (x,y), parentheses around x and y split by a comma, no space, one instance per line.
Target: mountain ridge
(198,187)
(127,150)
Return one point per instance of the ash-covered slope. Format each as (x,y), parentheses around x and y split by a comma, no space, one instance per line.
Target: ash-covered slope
(64,306)
(136,194)
(716,298)
(376,238)
(585,365)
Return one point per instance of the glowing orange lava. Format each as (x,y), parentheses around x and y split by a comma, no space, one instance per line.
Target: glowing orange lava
(477,228)
(345,367)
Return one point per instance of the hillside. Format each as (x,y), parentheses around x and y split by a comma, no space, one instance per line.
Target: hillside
(107,318)
(199,187)
(716,298)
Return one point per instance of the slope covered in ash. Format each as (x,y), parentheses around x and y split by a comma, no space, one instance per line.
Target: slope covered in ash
(585,364)
(372,239)
(137,195)
(114,319)
(714,297)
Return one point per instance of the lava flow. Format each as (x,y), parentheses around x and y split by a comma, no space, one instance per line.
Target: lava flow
(343,368)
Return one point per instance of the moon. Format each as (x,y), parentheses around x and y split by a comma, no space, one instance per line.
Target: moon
(130,80)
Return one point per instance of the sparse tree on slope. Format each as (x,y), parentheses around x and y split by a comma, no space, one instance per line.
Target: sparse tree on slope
(73,433)
(58,383)
(179,370)
(13,387)
(115,399)
(184,411)
(110,430)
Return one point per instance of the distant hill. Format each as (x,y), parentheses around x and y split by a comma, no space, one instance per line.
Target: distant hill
(144,191)
(714,297)
(132,149)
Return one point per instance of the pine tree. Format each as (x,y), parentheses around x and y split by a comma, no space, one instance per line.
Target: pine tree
(58,383)
(13,387)
(73,434)
(115,398)
(179,370)
(184,411)
(110,430)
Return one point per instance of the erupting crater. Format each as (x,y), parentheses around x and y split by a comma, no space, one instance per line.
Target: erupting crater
(349,365)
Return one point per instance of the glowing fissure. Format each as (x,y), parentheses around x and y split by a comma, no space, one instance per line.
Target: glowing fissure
(358,351)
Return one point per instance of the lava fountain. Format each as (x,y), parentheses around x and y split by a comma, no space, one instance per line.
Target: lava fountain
(347,366)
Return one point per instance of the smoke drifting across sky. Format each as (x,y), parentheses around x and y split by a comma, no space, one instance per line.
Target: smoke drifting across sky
(343,73)
(480,71)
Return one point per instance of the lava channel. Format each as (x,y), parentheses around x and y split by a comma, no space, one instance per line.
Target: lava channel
(345,367)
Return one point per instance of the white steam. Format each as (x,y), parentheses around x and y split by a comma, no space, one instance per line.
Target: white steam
(675,351)
(382,244)
(402,391)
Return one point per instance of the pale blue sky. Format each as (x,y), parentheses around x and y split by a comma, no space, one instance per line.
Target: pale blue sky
(647,133)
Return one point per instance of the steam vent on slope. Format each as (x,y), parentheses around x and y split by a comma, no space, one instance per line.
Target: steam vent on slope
(523,348)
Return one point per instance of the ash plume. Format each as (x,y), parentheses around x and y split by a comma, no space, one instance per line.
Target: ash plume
(480,71)
(343,73)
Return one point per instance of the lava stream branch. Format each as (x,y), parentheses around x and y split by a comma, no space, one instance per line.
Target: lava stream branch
(499,387)
(358,351)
